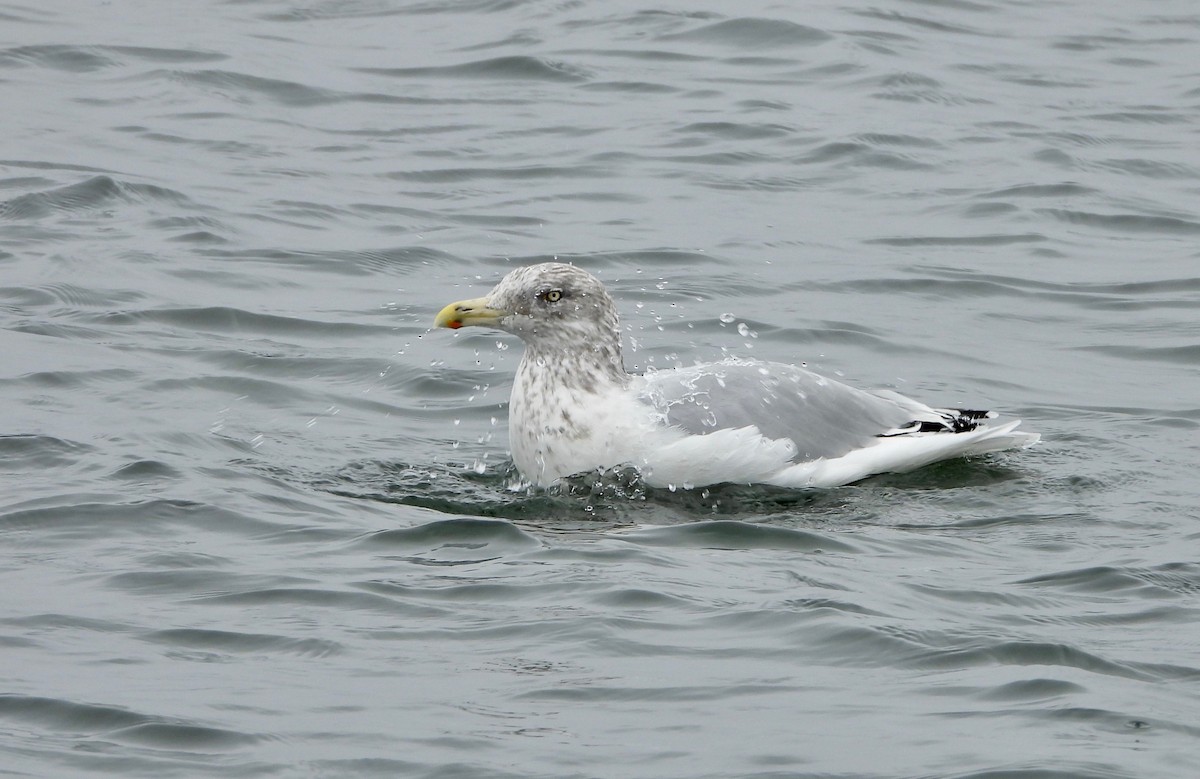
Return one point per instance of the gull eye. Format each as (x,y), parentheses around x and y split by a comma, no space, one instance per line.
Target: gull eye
(552,295)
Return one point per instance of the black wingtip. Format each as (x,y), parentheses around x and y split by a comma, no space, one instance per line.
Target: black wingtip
(954,420)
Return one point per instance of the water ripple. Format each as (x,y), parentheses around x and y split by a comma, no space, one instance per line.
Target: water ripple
(235,642)
(118,724)
(519,68)
(749,32)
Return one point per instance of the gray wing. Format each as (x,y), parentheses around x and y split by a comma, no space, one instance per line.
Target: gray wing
(823,417)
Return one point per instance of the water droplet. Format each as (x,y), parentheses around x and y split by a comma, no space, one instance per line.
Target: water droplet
(727,319)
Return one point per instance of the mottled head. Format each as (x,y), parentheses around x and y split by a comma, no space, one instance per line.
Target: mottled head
(552,307)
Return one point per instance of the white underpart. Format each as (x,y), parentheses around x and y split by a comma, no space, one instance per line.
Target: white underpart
(623,430)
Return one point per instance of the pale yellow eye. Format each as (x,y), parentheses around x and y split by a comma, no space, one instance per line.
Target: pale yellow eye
(554,295)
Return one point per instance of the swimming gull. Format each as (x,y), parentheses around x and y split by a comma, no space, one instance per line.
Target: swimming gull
(575,409)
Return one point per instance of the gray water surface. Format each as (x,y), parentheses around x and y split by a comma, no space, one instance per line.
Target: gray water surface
(256,520)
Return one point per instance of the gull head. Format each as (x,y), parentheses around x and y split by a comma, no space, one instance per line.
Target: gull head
(551,307)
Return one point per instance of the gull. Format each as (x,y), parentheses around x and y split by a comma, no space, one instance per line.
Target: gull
(574,408)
